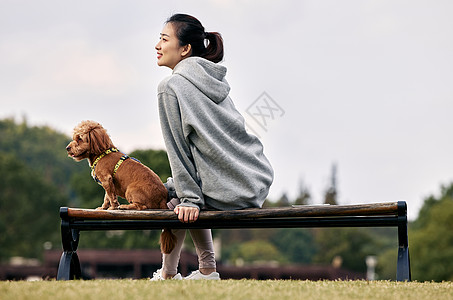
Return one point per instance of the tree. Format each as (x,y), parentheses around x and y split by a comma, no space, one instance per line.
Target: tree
(423,219)
(283,201)
(156,160)
(331,193)
(41,149)
(431,240)
(88,193)
(386,264)
(258,250)
(304,195)
(295,244)
(353,245)
(28,210)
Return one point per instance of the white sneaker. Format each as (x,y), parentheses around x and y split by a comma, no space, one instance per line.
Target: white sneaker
(196,275)
(158,276)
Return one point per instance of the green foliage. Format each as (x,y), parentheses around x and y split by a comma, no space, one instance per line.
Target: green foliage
(28,210)
(35,172)
(303,198)
(297,245)
(353,245)
(331,193)
(120,239)
(283,245)
(233,239)
(283,201)
(156,160)
(40,148)
(431,239)
(424,217)
(257,250)
(386,267)
(89,194)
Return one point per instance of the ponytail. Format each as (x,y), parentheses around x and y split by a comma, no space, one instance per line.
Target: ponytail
(190,31)
(214,50)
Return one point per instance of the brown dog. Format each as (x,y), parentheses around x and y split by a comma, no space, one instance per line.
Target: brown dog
(119,175)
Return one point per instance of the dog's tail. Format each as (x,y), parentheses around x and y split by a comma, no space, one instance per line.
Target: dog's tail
(167,241)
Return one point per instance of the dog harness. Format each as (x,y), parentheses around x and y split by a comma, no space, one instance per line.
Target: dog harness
(115,169)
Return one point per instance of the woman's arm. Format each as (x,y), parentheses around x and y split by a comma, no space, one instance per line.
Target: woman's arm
(183,169)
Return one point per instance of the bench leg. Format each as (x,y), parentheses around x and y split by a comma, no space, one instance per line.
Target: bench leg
(403,266)
(69,267)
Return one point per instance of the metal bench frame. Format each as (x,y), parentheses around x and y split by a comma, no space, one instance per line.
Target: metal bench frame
(393,214)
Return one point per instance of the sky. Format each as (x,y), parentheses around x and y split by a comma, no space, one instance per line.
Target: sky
(363,85)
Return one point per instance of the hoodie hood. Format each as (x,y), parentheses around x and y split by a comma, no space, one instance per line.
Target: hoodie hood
(207,76)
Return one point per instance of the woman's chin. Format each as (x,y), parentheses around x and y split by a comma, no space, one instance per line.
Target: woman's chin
(161,62)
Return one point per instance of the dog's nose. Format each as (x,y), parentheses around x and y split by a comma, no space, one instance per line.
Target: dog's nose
(68,148)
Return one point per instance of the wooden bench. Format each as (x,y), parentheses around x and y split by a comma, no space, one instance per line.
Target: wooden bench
(393,214)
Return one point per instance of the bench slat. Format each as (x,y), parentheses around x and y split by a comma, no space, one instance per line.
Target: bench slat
(374,209)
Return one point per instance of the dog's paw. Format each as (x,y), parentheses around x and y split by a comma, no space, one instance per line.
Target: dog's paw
(100,208)
(126,207)
(112,208)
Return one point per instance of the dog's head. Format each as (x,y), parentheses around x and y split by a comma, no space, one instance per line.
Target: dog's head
(90,139)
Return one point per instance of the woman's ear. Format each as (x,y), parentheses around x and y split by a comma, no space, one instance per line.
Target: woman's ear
(187,50)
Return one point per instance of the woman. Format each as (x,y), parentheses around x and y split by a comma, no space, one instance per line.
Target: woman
(215,163)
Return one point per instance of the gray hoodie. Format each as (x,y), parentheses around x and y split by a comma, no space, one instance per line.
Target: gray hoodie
(214,161)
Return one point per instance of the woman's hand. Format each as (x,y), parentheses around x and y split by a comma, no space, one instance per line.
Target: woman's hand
(186,214)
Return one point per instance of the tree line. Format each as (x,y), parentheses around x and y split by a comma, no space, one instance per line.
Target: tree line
(38,178)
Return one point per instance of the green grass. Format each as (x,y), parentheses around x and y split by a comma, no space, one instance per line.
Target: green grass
(225,289)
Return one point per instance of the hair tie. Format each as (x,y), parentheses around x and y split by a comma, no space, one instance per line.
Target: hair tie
(206,40)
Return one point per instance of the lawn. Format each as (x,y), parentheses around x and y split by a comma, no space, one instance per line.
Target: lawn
(225,289)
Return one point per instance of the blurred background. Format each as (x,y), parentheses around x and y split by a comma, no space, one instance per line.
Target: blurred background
(361,92)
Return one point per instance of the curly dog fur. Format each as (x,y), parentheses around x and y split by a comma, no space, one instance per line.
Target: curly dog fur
(135,182)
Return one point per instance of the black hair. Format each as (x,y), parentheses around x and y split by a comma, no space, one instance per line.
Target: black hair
(190,31)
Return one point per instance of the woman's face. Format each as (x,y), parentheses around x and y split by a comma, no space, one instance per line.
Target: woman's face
(169,52)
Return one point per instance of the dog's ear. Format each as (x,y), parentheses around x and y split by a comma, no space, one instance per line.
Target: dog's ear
(99,140)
